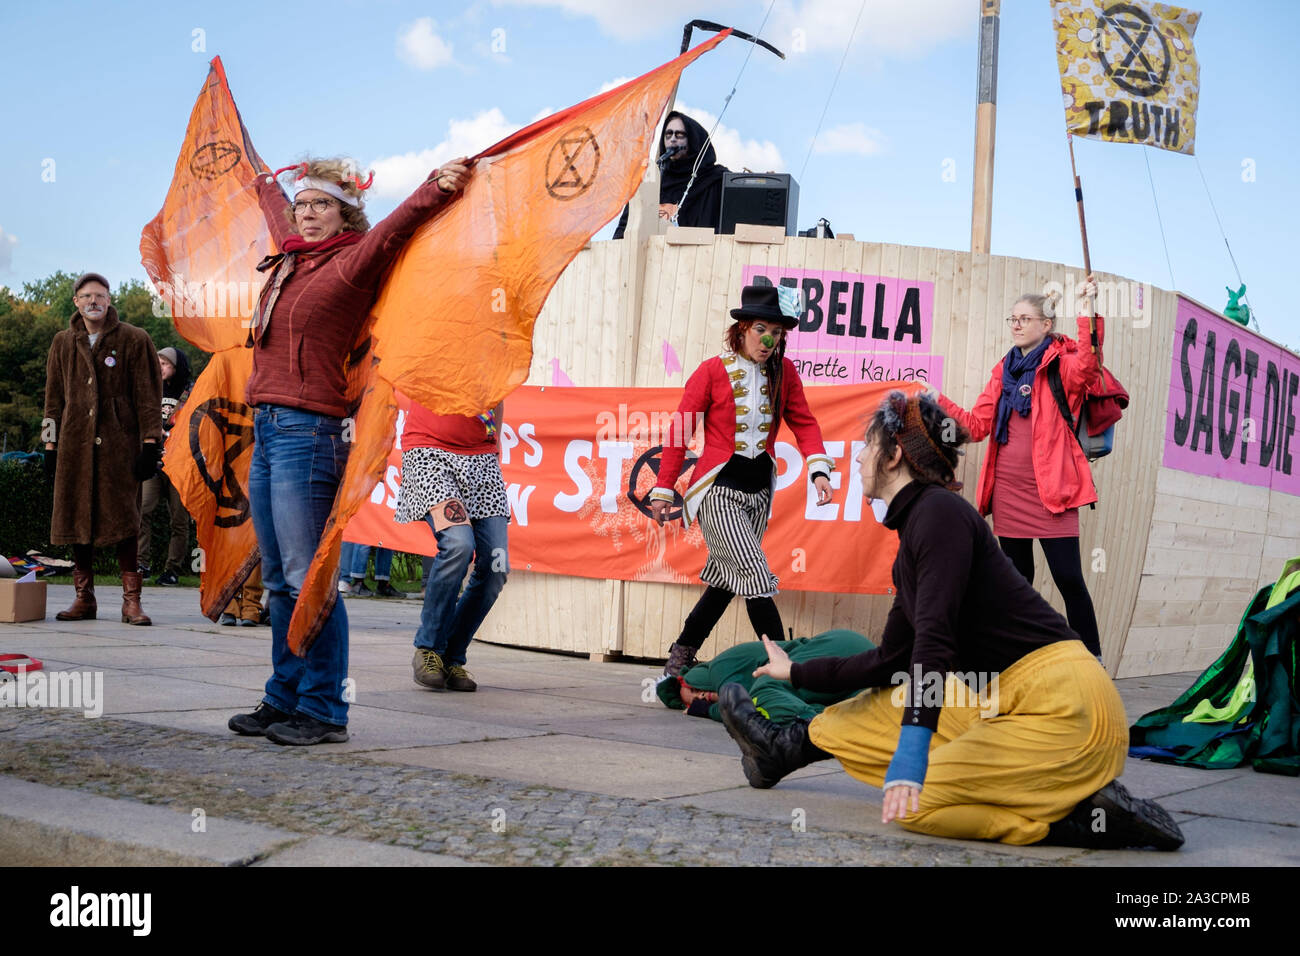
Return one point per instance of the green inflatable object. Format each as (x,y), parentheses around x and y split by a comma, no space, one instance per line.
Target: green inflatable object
(1251,688)
(1236,310)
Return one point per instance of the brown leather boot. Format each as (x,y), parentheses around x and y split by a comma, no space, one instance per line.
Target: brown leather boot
(131,610)
(84,607)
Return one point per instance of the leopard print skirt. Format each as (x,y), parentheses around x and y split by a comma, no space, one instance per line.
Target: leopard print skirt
(432,475)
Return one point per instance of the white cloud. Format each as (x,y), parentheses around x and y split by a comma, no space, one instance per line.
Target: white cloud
(734,151)
(624,20)
(419,45)
(851,138)
(396,177)
(889,28)
(614,83)
(7,243)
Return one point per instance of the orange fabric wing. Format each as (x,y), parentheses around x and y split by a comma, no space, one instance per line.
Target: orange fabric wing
(464,294)
(201,250)
(201,253)
(460,303)
(207,459)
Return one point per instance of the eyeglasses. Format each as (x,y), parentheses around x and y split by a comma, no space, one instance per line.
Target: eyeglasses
(674,134)
(317,205)
(1016,321)
(91,297)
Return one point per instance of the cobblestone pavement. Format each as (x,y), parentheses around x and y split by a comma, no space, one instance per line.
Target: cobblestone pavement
(311,791)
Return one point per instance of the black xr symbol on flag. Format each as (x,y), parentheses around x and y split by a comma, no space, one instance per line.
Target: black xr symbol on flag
(1133,29)
(572,163)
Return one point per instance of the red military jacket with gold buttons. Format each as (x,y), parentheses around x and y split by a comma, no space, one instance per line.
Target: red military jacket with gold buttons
(716,392)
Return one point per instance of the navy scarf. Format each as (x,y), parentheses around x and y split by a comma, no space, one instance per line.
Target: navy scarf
(1017,385)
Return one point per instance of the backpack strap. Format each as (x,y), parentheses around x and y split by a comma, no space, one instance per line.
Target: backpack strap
(1058,392)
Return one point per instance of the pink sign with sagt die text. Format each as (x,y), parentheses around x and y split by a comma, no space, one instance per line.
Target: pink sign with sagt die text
(1232,397)
(859,328)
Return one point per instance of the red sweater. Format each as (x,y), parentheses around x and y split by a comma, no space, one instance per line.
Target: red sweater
(463,434)
(323,305)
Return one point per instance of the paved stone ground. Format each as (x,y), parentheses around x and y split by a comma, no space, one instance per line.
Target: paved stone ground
(566,757)
(468,817)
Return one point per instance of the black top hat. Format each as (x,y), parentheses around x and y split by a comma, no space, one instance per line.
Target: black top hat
(761,302)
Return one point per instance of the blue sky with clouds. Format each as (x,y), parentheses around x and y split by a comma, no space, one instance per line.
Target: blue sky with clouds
(104,90)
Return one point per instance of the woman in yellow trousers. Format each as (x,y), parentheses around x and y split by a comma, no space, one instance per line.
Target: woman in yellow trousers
(984,717)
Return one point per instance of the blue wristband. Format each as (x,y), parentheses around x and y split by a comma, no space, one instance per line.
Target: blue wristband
(911,757)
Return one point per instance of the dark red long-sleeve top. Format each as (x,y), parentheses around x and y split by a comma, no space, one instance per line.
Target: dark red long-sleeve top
(323,304)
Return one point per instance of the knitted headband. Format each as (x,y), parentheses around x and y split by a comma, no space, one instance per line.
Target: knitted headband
(907,428)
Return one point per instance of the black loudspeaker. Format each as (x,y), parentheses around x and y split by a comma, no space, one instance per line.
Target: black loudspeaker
(763,199)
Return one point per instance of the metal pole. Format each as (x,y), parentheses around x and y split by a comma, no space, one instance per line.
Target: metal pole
(981,221)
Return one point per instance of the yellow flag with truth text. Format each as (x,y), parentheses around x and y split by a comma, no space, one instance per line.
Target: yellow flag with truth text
(1128,71)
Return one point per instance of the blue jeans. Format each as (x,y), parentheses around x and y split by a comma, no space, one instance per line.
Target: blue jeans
(450,617)
(298,462)
(355,557)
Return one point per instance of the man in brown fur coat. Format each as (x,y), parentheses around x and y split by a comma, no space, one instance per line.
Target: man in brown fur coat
(103,394)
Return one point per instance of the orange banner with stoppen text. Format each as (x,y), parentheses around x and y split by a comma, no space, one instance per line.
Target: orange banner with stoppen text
(579,462)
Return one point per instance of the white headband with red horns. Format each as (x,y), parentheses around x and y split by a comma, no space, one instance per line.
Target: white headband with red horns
(293,186)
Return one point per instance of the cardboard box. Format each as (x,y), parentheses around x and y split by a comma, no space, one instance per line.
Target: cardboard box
(21,602)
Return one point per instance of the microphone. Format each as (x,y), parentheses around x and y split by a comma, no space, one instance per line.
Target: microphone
(667,156)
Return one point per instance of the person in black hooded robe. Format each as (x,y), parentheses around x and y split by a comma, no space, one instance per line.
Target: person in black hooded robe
(175,365)
(703,206)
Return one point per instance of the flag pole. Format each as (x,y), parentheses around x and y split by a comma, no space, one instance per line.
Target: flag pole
(1083,234)
(981,214)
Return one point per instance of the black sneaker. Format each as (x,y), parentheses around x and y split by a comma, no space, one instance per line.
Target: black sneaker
(228,620)
(1114,819)
(385,589)
(255,724)
(303,731)
(167,580)
(1138,822)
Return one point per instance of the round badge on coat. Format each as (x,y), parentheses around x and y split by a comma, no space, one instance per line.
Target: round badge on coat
(110,361)
(1025,390)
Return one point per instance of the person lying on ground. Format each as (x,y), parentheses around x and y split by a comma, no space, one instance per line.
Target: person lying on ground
(696,691)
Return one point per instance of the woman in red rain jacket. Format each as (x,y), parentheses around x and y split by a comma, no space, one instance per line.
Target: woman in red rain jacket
(1035,476)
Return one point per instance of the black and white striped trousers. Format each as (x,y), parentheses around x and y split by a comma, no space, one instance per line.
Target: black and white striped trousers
(733,523)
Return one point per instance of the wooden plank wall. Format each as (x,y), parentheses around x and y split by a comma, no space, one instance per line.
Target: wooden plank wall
(1212,545)
(600,331)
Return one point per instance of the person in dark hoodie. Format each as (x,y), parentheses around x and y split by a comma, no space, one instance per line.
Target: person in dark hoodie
(702,205)
(175,366)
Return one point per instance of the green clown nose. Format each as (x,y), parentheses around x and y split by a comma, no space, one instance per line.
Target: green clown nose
(767,340)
